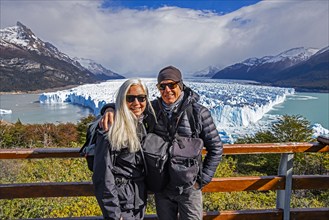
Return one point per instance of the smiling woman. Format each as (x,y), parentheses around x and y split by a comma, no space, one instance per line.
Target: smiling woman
(119,168)
(136,100)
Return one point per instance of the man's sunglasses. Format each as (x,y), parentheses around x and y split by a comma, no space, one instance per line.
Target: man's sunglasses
(171,85)
(131,98)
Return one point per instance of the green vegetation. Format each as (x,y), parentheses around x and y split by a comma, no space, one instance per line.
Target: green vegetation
(287,129)
(45,170)
(18,135)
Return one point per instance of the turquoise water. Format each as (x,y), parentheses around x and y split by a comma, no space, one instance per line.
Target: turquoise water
(27,109)
(312,106)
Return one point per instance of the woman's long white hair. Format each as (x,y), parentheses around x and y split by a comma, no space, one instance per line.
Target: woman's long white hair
(123,132)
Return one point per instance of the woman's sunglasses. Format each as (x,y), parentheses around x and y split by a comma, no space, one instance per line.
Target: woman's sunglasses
(171,85)
(131,98)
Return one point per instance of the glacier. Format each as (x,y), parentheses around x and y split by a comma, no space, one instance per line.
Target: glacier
(234,105)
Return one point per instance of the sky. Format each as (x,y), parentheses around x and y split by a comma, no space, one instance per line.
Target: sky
(138,38)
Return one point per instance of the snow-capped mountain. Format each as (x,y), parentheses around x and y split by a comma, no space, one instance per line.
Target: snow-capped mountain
(312,74)
(273,69)
(97,69)
(323,50)
(210,71)
(294,55)
(28,63)
(22,37)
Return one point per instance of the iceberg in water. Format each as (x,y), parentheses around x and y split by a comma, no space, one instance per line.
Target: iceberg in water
(319,130)
(5,112)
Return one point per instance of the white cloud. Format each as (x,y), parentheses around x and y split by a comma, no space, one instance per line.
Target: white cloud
(140,43)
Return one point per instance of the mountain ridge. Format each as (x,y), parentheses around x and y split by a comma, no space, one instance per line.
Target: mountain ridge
(303,69)
(97,69)
(27,64)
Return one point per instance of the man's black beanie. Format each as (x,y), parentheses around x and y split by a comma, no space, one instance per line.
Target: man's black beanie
(170,73)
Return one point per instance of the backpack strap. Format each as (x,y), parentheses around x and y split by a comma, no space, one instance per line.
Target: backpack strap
(87,148)
(144,161)
(192,120)
(92,130)
(157,110)
(113,155)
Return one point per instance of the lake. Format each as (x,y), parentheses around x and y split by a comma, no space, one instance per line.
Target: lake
(27,109)
(312,106)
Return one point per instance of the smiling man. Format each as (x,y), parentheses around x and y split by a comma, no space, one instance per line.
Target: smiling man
(180,198)
(170,84)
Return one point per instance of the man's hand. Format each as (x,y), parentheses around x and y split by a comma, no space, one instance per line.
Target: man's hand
(107,119)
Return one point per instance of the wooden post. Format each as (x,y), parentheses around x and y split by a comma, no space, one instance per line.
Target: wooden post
(284,196)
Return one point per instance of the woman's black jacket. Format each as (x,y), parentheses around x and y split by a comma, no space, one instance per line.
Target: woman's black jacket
(118,177)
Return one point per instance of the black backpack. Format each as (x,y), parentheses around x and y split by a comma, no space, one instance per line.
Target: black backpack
(88,149)
(177,162)
(185,156)
(156,156)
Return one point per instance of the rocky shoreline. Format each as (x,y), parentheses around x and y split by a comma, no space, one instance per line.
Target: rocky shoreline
(39,91)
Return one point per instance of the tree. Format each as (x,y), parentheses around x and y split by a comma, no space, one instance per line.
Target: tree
(286,129)
(293,128)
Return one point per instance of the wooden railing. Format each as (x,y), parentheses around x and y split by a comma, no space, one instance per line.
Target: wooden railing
(283,183)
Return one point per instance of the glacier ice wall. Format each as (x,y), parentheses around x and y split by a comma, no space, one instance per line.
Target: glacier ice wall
(232,104)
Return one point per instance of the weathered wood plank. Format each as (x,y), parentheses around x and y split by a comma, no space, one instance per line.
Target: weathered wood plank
(268,214)
(274,214)
(310,182)
(266,148)
(309,213)
(265,183)
(229,149)
(229,184)
(34,190)
(246,183)
(39,153)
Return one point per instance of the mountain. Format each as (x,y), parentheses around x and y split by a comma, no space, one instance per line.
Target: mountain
(310,75)
(303,69)
(97,69)
(27,63)
(207,72)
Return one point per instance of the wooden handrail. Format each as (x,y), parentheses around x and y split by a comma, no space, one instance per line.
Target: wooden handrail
(229,149)
(226,184)
(266,148)
(268,214)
